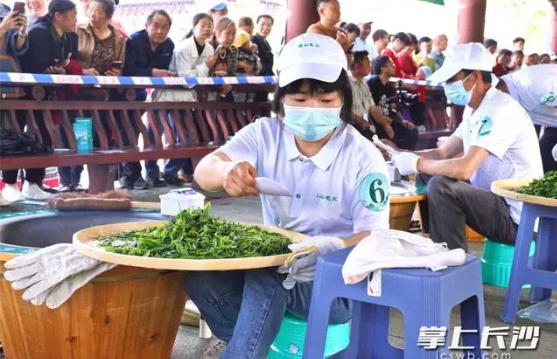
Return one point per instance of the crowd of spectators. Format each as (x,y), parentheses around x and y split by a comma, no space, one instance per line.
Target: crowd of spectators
(62,38)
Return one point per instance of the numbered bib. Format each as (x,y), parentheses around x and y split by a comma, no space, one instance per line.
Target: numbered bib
(485,127)
(374,192)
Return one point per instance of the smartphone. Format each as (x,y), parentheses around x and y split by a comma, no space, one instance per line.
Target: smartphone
(116,65)
(19,7)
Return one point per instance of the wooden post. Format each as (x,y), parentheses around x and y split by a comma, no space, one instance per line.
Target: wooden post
(554,29)
(303,13)
(471,23)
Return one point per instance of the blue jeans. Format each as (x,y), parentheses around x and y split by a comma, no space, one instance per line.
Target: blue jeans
(251,304)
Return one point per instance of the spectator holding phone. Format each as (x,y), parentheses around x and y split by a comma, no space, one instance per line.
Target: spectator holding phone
(13,37)
(102,48)
(52,45)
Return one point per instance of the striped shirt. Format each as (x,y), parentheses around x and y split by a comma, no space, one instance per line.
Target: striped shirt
(362,99)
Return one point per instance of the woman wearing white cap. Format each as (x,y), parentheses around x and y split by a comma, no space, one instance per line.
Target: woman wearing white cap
(339,185)
(340,193)
(496,140)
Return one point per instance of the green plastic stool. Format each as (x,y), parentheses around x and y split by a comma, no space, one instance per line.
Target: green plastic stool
(289,343)
(497,262)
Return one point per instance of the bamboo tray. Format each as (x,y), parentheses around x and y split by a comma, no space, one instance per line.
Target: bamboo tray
(506,188)
(82,239)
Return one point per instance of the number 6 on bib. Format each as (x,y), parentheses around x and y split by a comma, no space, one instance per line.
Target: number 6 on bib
(373,191)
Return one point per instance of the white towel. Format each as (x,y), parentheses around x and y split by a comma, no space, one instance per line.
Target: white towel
(396,249)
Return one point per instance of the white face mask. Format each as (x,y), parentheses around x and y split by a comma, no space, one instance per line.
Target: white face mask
(311,123)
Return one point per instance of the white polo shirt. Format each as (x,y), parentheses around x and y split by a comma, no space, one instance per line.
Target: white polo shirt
(503,128)
(535,88)
(342,190)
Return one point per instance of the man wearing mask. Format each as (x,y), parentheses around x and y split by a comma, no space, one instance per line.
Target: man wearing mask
(329,18)
(535,88)
(148,54)
(498,141)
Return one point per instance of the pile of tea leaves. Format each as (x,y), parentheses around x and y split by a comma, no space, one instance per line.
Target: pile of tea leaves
(544,187)
(195,234)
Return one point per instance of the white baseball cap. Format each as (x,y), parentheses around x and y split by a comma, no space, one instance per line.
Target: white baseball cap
(311,56)
(471,56)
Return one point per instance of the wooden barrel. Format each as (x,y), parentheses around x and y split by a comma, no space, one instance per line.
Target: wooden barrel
(125,313)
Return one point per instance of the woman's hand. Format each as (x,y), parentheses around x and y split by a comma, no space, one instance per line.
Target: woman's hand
(53,70)
(12,21)
(239,180)
(90,72)
(409,125)
(113,72)
(22,24)
(211,60)
(389,130)
(248,68)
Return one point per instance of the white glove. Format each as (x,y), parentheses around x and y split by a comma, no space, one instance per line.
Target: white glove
(39,272)
(407,163)
(554,153)
(302,270)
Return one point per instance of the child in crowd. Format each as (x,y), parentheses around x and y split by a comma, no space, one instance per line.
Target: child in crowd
(248,63)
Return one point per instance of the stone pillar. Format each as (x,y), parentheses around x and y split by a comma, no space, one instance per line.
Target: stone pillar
(303,13)
(471,21)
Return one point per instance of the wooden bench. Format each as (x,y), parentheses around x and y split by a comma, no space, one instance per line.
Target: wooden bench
(202,128)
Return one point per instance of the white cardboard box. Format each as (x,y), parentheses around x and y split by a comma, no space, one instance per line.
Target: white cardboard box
(178,200)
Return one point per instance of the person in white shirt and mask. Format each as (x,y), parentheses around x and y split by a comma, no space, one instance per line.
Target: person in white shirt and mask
(535,88)
(340,192)
(498,141)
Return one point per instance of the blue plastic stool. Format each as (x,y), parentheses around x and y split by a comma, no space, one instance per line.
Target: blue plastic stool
(289,342)
(541,275)
(425,298)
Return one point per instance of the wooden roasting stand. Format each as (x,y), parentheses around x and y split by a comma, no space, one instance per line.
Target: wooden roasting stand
(130,312)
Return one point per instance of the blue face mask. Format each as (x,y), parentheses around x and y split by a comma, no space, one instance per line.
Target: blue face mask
(311,123)
(457,94)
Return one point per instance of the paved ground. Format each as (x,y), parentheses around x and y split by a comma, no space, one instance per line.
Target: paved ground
(189,346)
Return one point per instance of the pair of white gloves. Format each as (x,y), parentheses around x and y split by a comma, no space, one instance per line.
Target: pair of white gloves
(52,274)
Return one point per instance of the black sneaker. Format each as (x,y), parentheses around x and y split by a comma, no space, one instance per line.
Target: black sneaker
(125,182)
(140,184)
(173,180)
(156,182)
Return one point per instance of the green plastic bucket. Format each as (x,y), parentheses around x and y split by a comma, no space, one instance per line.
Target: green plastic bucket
(497,262)
(289,343)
